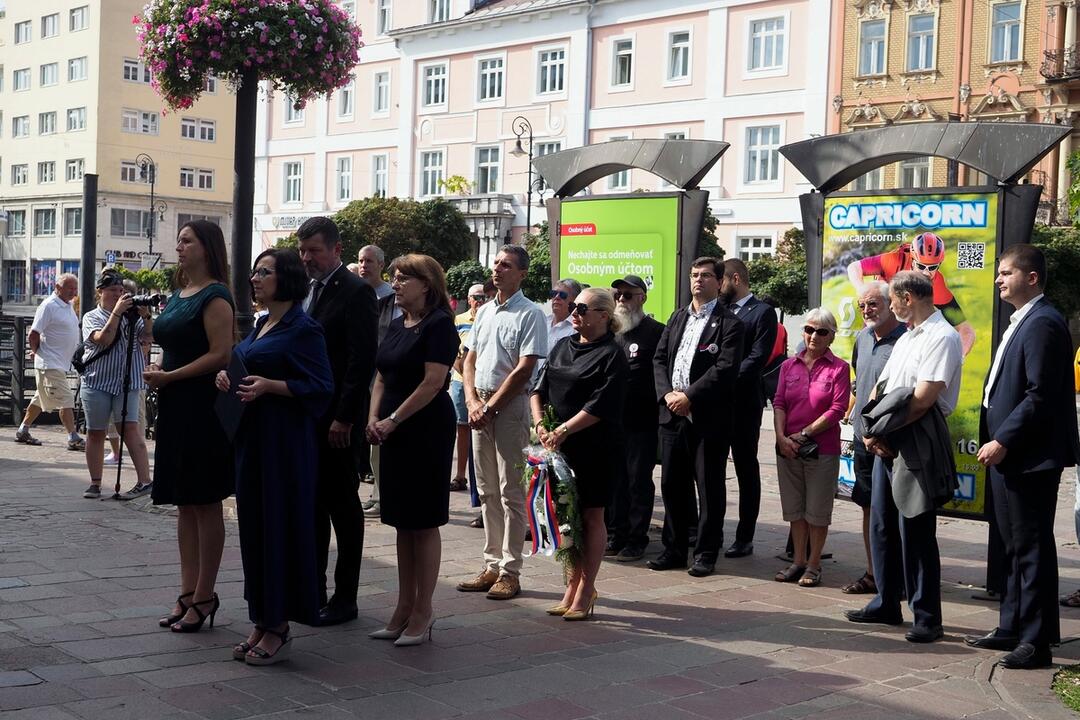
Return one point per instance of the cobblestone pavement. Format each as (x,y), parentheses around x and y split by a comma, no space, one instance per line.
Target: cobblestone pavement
(83,582)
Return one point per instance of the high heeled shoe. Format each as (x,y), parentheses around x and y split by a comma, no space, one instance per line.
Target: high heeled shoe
(242,649)
(170,619)
(189,627)
(387,633)
(406,640)
(585,614)
(559,609)
(258,656)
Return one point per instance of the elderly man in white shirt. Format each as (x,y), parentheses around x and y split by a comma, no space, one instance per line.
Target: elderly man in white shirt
(54,335)
(928,357)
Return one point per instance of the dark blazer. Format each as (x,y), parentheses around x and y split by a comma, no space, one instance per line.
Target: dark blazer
(712,374)
(346,311)
(1032,407)
(759,323)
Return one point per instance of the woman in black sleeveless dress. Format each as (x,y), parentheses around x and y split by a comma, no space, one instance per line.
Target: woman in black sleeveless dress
(193,462)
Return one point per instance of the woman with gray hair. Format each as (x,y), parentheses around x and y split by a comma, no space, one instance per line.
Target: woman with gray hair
(811,397)
(563,295)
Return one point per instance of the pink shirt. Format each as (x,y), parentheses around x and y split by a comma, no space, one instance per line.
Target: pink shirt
(807,394)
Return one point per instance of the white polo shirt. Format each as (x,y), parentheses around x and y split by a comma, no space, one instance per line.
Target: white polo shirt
(930,352)
(502,334)
(55,321)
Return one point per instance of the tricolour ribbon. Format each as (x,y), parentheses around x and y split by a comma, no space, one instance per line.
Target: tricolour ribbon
(543,522)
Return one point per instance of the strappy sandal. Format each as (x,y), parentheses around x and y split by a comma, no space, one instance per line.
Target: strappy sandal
(1072,600)
(810,578)
(863,586)
(459,483)
(258,656)
(239,651)
(168,620)
(790,574)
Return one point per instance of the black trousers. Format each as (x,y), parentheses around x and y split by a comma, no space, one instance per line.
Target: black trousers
(337,502)
(691,457)
(631,508)
(744,453)
(913,563)
(1024,506)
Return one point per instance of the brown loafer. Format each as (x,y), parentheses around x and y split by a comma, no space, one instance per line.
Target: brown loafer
(481,583)
(507,587)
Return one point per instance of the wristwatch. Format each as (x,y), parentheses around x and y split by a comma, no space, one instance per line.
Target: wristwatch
(487,408)
(393,418)
(803,435)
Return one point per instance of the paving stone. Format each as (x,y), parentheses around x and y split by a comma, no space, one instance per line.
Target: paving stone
(18,678)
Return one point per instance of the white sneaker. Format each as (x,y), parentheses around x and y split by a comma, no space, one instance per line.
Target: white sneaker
(110,459)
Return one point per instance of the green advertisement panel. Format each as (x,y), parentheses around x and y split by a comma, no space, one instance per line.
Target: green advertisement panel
(874,237)
(606,238)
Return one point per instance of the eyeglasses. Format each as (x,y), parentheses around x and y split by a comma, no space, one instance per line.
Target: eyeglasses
(925,268)
(561,294)
(580,308)
(400,279)
(820,332)
(626,295)
(261,273)
(478,298)
(868,306)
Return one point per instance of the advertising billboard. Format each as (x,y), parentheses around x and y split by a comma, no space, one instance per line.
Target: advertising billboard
(869,237)
(601,239)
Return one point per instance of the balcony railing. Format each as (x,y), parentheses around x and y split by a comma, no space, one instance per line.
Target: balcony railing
(1059,65)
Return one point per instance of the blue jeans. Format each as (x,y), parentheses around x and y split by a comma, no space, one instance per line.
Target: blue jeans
(461,410)
(104,409)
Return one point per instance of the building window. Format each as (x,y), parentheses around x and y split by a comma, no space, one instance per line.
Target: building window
(73,221)
(210,85)
(678,56)
(920,55)
(294,182)
(379,181)
(16,223)
(46,123)
(136,71)
(50,74)
(76,119)
(431,173)
(621,179)
(552,71)
(189,128)
(208,130)
(439,10)
(129,172)
(345,99)
(23,32)
(487,170)
(546,148)
(46,172)
(128,223)
(77,68)
(198,129)
(622,63)
(872,48)
(20,126)
(20,80)
(344,179)
(491,79)
(752,247)
(206,179)
(381,100)
(187,177)
(762,154)
(383,18)
(44,276)
(79,18)
(870,181)
(293,114)
(915,173)
(767,39)
(183,219)
(74,170)
(435,85)
(50,25)
(139,121)
(45,221)
(1005,42)
(349,8)
(15,281)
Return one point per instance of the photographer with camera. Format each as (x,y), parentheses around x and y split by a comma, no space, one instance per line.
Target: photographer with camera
(106,394)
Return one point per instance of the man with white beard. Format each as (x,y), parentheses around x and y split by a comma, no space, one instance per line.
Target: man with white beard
(630,512)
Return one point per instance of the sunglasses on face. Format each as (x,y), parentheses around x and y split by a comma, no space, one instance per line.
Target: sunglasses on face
(261,272)
(580,308)
(925,268)
(478,298)
(625,295)
(820,332)
(561,294)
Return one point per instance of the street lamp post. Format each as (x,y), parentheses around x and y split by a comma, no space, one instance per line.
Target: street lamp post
(148,173)
(520,126)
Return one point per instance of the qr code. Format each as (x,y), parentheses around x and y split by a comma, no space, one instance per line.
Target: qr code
(970,256)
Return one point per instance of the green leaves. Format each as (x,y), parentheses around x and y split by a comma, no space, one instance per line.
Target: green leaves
(460,277)
(1061,245)
(783,275)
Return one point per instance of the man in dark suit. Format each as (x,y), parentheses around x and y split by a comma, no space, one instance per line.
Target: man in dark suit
(759,321)
(696,364)
(345,307)
(1029,424)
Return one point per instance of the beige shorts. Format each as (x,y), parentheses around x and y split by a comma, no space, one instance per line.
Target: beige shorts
(53,391)
(807,488)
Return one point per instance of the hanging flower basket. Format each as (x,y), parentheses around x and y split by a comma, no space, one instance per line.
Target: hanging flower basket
(305,48)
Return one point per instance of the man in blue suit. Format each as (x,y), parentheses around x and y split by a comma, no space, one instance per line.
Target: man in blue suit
(1029,423)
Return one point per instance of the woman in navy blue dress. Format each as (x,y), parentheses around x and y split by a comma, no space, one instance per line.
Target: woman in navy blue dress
(287,388)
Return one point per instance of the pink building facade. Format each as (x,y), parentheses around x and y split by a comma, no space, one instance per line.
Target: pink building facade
(440,84)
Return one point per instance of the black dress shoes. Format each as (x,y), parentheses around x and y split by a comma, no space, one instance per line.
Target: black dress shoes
(332,614)
(1027,657)
(920,634)
(863,616)
(991,641)
(739,549)
(701,568)
(667,561)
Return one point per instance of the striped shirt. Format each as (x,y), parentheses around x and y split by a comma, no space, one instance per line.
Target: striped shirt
(107,374)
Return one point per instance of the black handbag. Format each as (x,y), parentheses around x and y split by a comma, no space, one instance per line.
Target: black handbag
(808,450)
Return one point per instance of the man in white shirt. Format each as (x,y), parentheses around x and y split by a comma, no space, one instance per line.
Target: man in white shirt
(54,335)
(928,358)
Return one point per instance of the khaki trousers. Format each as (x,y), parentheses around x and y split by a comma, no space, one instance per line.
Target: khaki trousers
(497,453)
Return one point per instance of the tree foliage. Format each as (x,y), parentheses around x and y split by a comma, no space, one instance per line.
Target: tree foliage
(707,244)
(783,275)
(538,282)
(460,277)
(148,280)
(1061,245)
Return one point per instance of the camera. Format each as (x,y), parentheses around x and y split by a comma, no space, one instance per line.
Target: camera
(148,300)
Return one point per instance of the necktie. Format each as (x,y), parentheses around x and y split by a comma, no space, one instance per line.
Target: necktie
(317,286)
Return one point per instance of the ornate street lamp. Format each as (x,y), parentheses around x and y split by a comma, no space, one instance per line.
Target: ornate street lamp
(520,126)
(148,173)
